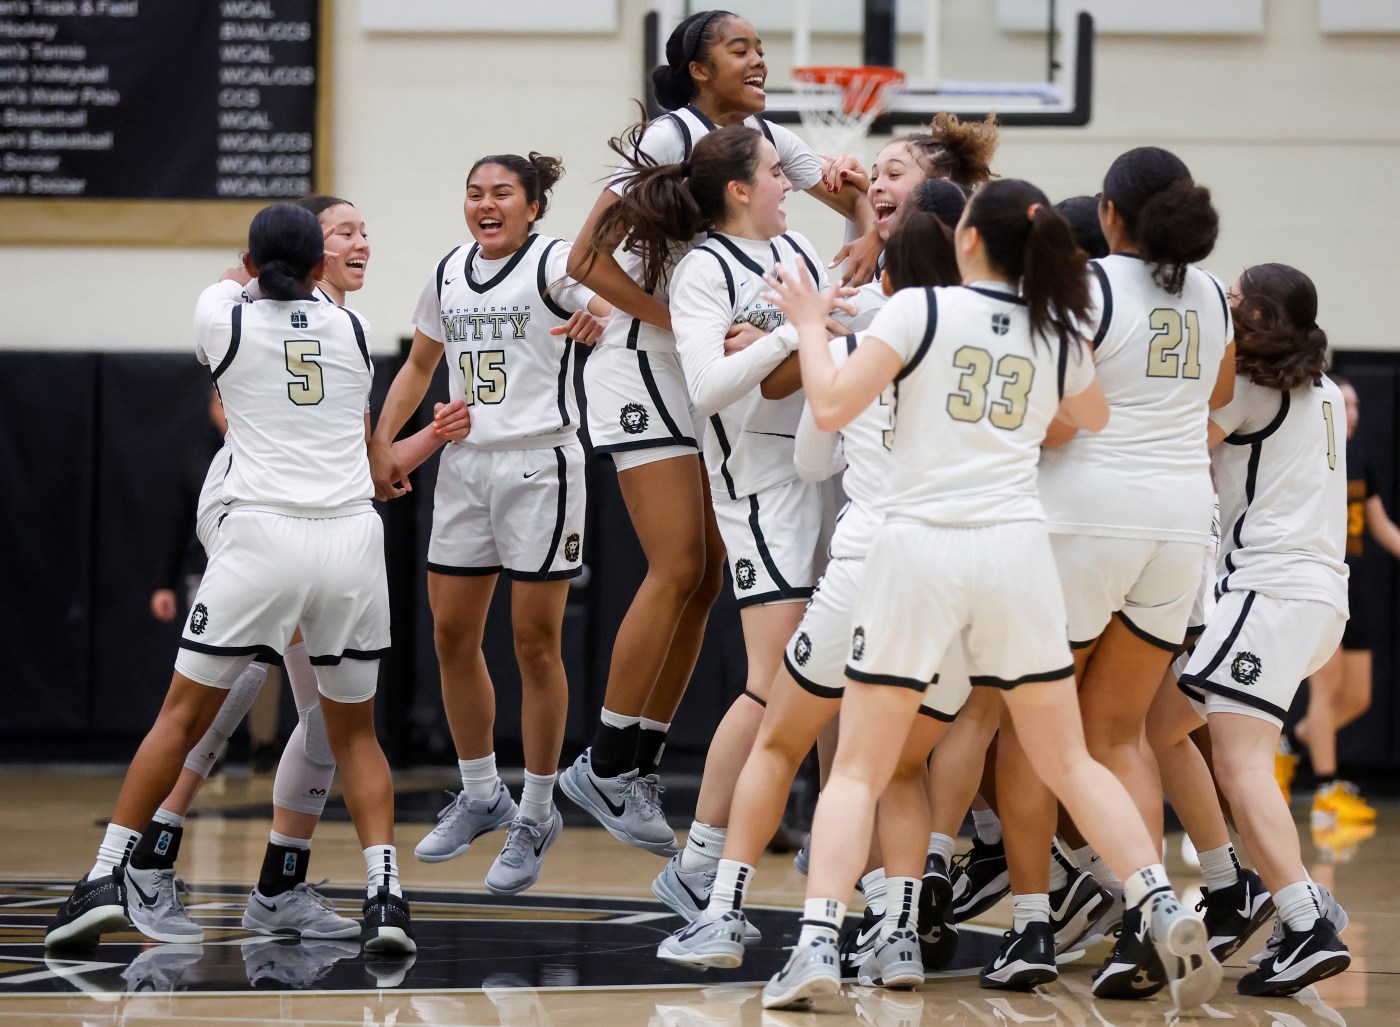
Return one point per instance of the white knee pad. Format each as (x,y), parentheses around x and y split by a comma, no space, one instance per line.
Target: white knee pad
(236,704)
(315,743)
(303,781)
(349,681)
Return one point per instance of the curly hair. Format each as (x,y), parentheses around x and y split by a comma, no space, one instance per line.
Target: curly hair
(1277,341)
(955,149)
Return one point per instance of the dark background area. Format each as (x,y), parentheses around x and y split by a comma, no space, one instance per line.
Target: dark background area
(94,450)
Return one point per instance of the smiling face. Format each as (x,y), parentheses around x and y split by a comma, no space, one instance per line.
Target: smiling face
(347,247)
(498,213)
(893,176)
(731,79)
(757,206)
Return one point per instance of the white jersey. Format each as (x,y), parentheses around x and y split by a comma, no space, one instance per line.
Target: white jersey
(669,140)
(719,284)
(1282,475)
(294,377)
(493,318)
(974,400)
(865,443)
(1157,356)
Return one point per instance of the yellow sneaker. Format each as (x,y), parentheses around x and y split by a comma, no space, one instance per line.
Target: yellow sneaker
(1285,765)
(1341,802)
(1338,843)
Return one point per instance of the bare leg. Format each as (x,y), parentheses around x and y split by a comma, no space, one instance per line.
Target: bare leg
(1318,730)
(1185,775)
(766,631)
(364,772)
(1355,697)
(537,617)
(958,758)
(460,604)
(1244,759)
(1027,811)
(902,818)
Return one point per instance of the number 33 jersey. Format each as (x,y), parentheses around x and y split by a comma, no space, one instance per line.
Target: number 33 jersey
(493,318)
(294,377)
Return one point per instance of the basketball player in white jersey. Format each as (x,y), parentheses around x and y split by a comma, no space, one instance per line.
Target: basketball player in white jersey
(282,902)
(298,524)
(505,316)
(982,370)
(807,688)
(1279,457)
(1129,510)
(639,412)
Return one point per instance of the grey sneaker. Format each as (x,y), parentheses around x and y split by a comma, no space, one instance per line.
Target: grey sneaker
(302,912)
(462,821)
(895,962)
(803,860)
(811,972)
(627,806)
(1183,945)
(154,907)
(161,968)
(518,865)
(707,941)
(1331,909)
(295,964)
(687,893)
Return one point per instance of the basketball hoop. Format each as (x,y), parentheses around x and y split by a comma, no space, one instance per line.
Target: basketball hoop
(837,104)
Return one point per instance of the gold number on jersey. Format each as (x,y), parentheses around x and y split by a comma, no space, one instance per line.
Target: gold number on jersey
(1162,359)
(971,402)
(309,387)
(488,384)
(1331,437)
(886,400)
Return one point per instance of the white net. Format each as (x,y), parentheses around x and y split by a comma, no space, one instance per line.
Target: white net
(838,104)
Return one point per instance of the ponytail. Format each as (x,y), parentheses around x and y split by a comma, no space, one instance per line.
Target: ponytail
(1278,343)
(920,252)
(285,244)
(1168,216)
(1031,244)
(537,175)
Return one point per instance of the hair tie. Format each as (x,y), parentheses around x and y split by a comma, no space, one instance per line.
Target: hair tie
(696,34)
(1030,211)
(685,168)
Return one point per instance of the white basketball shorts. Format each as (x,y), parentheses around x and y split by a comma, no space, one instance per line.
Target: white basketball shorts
(210,506)
(770,541)
(636,400)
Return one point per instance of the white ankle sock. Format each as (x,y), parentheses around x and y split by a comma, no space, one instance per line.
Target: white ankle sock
(874,887)
(703,847)
(1091,861)
(941,845)
(169,819)
(821,917)
(731,884)
(901,903)
(1059,876)
(1145,885)
(1220,867)
(382,865)
(1299,905)
(286,841)
(1027,909)
(988,826)
(116,846)
(479,777)
(537,797)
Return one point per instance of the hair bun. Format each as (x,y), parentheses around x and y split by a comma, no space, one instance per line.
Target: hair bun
(674,87)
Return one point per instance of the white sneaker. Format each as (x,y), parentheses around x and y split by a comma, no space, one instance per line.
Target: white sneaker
(812,970)
(463,821)
(627,806)
(302,912)
(895,962)
(154,907)
(1183,945)
(687,893)
(518,865)
(706,941)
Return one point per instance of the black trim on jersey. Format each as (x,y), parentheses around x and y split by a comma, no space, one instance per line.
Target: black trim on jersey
(894,680)
(762,702)
(770,434)
(766,129)
(938,715)
(625,447)
(499,276)
(686,143)
(325,297)
(930,326)
(807,684)
(1107,314)
(990,681)
(442,270)
(763,552)
(564,382)
(776,596)
(997,294)
(1224,303)
(1189,691)
(724,266)
(350,654)
(263,653)
(742,257)
(811,267)
(1229,642)
(633,332)
(654,391)
(542,285)
(701,117)
(560,511)
(563,575)
(1160,643)
(1255,441)
(1194,631)
(851,343)
(1082,645)
(235,336)
(1062,367)
(726,450)
(359,338)
(1248,698)
(464,572)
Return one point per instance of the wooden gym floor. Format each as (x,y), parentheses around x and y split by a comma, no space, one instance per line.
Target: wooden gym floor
(576,949)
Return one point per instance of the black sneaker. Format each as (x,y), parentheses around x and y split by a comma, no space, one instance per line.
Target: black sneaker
(1303,958)
(1233,914)
(1026,958)
(938,935)
(1076,907)
(859,942)
(980,879)
(1133,969)
(387,927)
(94,909)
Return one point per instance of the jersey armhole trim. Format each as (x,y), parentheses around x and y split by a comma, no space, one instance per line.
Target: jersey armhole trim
(442,270)
(360,338)
(811,267)
(543,284)
(723,266)
(851,343)
(927,340)
(1107,305)
(1250,438)
(1224,303)
(235,336)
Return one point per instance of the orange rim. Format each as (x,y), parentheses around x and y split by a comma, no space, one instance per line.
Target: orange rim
(865,86)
